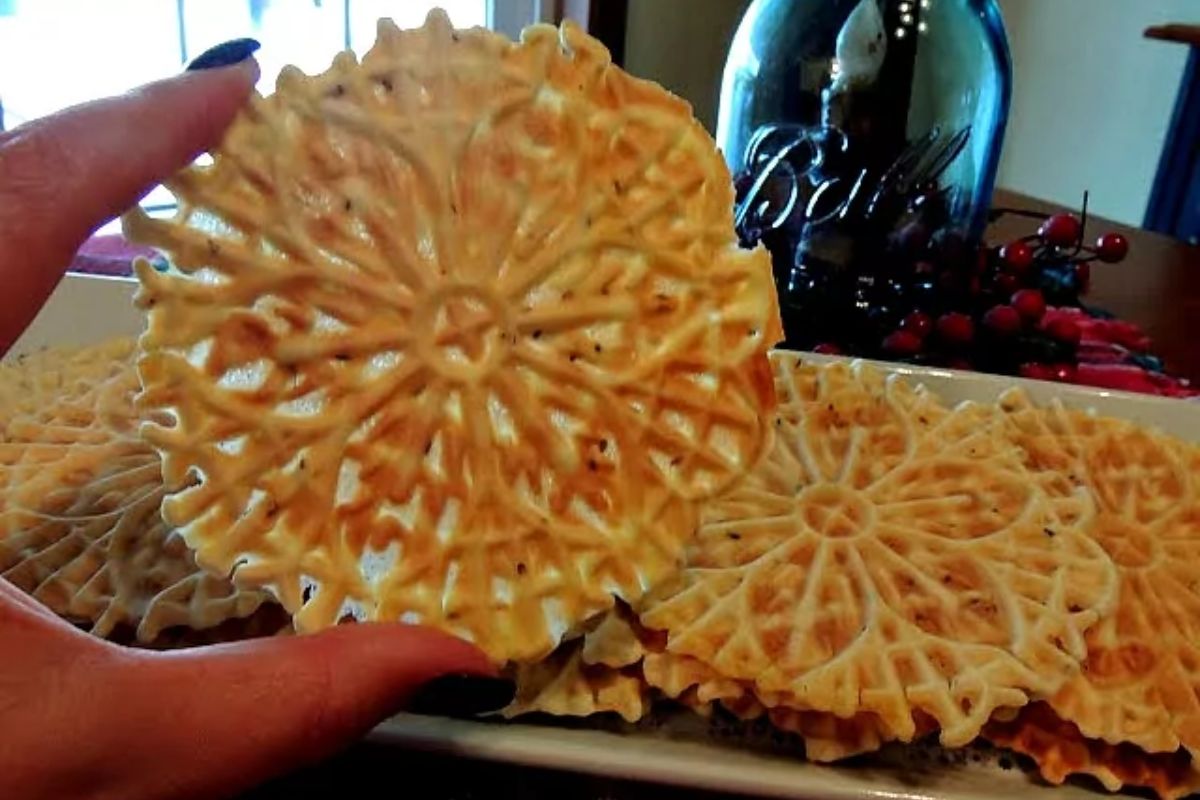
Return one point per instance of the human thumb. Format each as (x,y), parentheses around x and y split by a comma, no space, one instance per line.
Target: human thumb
(242,713)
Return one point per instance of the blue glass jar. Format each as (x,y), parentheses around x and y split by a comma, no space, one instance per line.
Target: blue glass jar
(864,136)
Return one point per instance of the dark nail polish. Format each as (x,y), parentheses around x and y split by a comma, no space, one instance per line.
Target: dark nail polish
(462,696)
(224,54)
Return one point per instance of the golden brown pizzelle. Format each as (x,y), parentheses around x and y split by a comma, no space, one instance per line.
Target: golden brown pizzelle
(41,384)
(80,527)
(1094,479)
(461,335)
(455,335)
(596,673)
(827,737)
(1139,499)
(886,559)
(619,666)
(617,641)
(564,685)
(1061,751)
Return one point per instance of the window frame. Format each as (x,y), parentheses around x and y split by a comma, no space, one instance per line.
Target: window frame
(510,16)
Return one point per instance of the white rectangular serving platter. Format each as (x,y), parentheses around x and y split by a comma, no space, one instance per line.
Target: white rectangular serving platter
(86,309)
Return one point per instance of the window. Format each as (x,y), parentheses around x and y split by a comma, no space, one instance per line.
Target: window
(55,53)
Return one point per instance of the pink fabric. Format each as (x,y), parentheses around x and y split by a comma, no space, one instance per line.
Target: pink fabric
(109,255)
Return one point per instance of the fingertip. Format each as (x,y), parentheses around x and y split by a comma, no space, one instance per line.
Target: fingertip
(399,667)
(238,78)
(258,708)
(76,168)
(359,673)
(416,652)
(64,175)
(193,110)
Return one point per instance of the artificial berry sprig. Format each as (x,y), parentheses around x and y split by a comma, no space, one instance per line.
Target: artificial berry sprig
(918,289)
(989,310)
(1058,251)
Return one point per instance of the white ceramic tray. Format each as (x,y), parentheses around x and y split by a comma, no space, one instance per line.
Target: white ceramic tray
(688,755)
(693,756)
(682,750)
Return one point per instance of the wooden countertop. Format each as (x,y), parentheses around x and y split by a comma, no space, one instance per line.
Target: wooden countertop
(1157,287)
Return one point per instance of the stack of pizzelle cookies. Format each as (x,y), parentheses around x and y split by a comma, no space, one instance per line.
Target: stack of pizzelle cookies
(461,335)
(1131,715)
(855,620)
(80,527)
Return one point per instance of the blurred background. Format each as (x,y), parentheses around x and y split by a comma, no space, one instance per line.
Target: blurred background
(1092,97)
(55,53)
(920,180)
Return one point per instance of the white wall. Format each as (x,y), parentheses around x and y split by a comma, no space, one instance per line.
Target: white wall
(1091,103)
(1092,100)
(682,44)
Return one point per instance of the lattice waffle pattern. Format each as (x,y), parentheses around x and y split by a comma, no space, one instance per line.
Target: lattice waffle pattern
(616,665)
(36,385)
(886,559)
(1141,679)
(80,528)
(456,335)
(827,737)
(63,411)
(695,684)
(1060,751)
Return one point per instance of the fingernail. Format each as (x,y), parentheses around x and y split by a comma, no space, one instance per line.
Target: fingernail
(462,696)
(224,54)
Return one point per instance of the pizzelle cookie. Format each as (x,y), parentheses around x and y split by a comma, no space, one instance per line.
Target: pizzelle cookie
(886,559)
(1060,751)
(1141,678)
(616,666)
(596,673)
(617,641)
(456,335)
(80,527)
(36,385)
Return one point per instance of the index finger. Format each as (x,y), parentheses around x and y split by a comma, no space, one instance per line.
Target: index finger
(64,175)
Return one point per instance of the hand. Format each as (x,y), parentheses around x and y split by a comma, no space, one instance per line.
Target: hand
(63,176)
(83,718)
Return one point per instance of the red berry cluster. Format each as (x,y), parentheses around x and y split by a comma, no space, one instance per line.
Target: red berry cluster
(992,312)
(1060,239)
